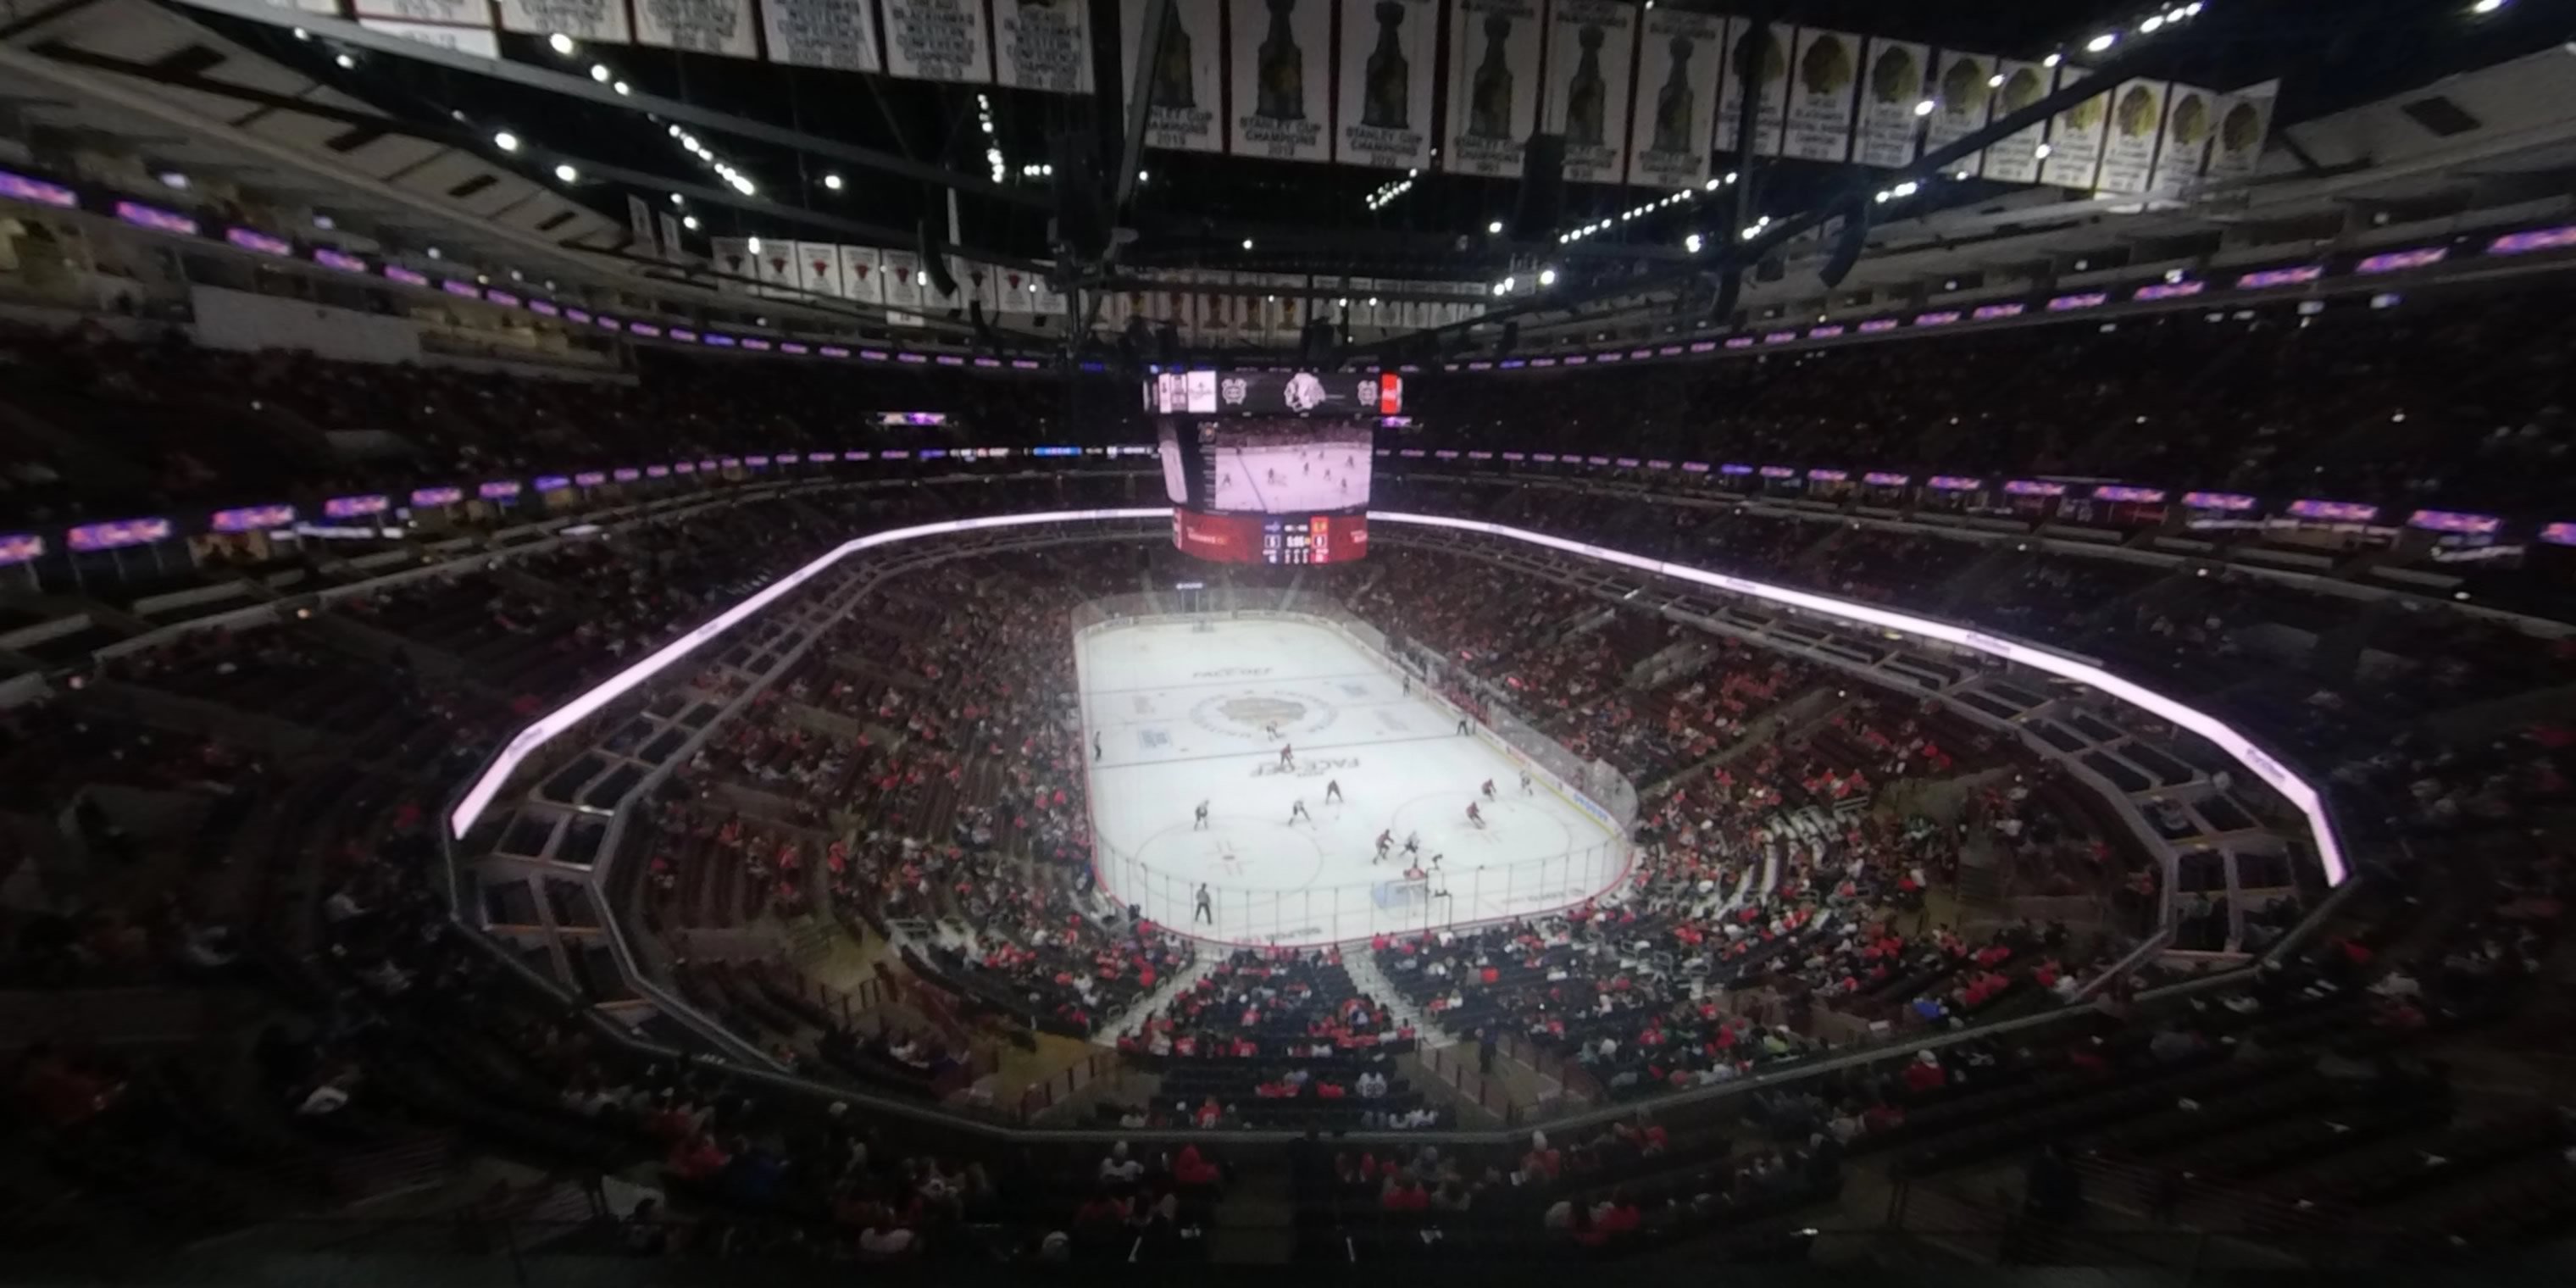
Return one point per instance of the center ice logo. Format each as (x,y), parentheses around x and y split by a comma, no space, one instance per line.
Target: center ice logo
(1261,711)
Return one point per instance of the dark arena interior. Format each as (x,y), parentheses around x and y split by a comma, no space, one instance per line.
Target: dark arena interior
(1017,639)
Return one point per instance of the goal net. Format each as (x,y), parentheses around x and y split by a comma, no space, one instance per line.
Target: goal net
(1402,893)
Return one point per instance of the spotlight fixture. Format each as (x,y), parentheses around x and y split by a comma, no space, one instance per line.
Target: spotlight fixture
(599,72)
(560,43)
(832,181)
(1495,228)
(505,141)
(566,173)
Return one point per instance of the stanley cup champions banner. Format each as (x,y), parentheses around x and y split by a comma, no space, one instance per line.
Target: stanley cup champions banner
(698,26)
(1824,83)
(2189,125)
(1493,85)
(2137,122)
(837,34)
(1961,87)
(1591,50)
(1389,51)
(1185,90)
(1677,88)
(597,21)
(2014,158)
(2075,139)
(1282,79)
(941,40)
(1043,44)
(1767,65)
(1896,76)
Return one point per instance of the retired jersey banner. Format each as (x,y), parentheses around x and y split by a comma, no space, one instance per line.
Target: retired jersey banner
(2014,158)
(1043,44)
(1824,87)
(1591,53)
(1282,79)
(860,280)
(902,269)
(598,21)
(837,34)
(2190,123)
(1963,93)
(2244,118)
(2075,138)
(639,225)
(2137,124)
(1493,86)
(670,226)
(941,40)
(1899,76)
(818,268)
(775,261)
(1185,92)
(1677,88)
(1389,51)
(1767,65)
(698,26)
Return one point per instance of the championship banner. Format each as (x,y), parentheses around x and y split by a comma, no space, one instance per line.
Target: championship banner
(902,282)
(1493,86)
(2075,139)
(836,34)
(1677,88)
(2189,125)
(2137,122)
(976,284)
(1963,97)
(860,279)
(818,268)
(777,267)
(671,248)
(1043,44)
(1899,77)
(1591,53)
(1051,302)
(1012,291)
(2244,119)
(2014,158)
(1824,86)
(1185,94)
(1282,78)
(733,260)
(698,26)
(1389,49)
(601,22)
(1769,67)
(479,41)
(941,40)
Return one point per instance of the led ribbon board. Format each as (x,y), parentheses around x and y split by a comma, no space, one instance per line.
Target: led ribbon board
(2301,795)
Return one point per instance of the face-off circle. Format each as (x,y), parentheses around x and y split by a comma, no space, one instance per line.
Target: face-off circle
(1252,713)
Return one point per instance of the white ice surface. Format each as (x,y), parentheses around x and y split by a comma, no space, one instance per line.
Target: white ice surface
(1181,715)
(1290,479)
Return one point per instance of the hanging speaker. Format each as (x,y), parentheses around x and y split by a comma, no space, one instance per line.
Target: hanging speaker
(934,258)
(1848,244)
(1542,196)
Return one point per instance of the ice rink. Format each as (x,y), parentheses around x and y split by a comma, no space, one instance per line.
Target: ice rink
(1181,716)
(1289,478)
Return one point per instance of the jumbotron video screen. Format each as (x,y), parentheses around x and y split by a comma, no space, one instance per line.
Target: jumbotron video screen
(1270,467)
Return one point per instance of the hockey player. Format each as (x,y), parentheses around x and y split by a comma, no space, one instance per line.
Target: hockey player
(1385,842)
(1525,783)
(1198,821)
(1333,792)
(1206,910)
(1488,789)
(1287,757)
(1413,844)
(1297,810)
(1473,817)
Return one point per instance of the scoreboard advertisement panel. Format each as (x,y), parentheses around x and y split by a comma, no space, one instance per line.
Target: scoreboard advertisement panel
(1271,538)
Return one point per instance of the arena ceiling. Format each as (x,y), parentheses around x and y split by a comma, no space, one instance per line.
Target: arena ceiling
(909,151)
